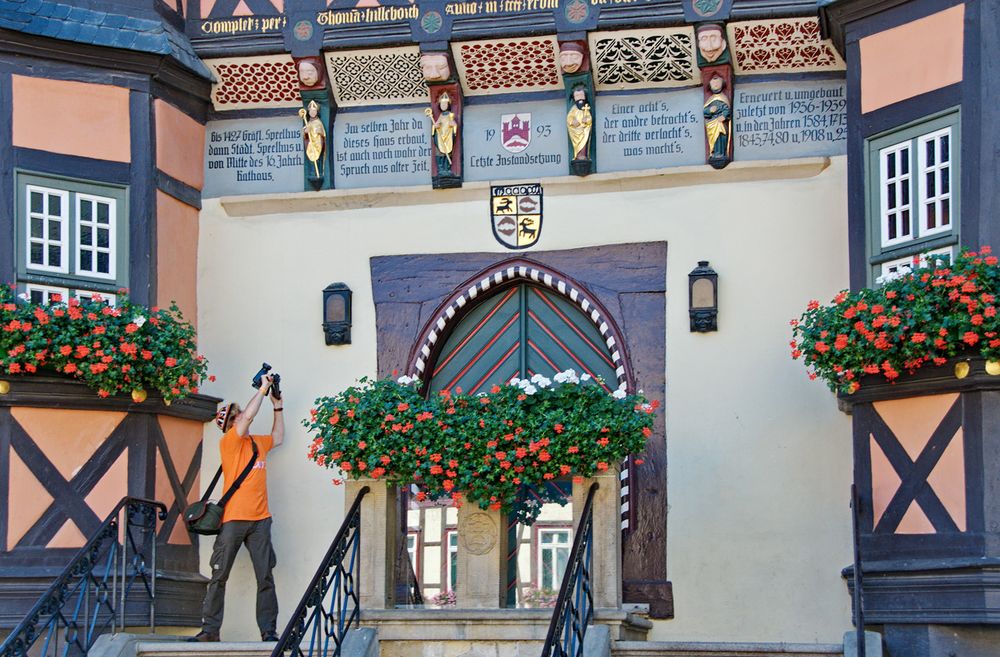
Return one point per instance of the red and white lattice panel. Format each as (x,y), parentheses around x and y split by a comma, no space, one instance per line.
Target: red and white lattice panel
(376,77)
(785,45)
(253,82)
(642,59)
(508,65)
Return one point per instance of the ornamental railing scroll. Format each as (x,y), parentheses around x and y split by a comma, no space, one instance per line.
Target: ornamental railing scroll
(330,606)
(90,596)
(575,605)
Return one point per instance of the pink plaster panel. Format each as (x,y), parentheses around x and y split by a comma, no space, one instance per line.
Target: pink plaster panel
(912,59)
(177,255)
(180,145)
(948,479)
(72,118)
(112,487)
(27,502)
(885,481)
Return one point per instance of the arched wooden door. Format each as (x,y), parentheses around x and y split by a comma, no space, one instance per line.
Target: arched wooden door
(521,331)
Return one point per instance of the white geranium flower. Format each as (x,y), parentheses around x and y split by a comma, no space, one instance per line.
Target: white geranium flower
(544,382)
(515,381)
(585,377)
(618,394)
(24,296)
(139,320)
(406,380)
(530,389)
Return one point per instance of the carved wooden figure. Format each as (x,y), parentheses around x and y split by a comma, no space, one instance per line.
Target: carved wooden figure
(578,81)
(445,113)
(718,113)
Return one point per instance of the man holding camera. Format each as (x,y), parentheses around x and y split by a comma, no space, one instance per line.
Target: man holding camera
(246,519)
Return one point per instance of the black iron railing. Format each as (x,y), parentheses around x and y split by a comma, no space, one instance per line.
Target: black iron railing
(575,605)
(89,597)
(330,605)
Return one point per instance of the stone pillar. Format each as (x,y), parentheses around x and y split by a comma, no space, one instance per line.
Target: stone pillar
(482,558)
(605,573)
(379,529)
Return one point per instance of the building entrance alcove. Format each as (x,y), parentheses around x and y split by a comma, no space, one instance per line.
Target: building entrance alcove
(471,321)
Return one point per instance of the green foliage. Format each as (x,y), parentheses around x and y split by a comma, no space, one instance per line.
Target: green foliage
(112,350)
(930,314)
(481,448)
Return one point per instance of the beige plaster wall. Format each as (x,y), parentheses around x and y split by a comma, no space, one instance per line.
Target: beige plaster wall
(759,457)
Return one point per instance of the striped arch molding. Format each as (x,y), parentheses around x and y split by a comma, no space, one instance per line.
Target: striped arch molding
(514,271)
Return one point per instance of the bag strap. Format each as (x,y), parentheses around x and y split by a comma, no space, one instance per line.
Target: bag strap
(211,486)
(243,475)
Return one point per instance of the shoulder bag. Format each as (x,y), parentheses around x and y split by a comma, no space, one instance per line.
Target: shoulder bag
(205,517)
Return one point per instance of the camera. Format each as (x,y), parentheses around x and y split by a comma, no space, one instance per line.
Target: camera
(275,380)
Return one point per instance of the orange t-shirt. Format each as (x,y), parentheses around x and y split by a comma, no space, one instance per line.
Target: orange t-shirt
(249,502)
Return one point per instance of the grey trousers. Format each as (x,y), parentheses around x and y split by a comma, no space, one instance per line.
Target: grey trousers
(256,535)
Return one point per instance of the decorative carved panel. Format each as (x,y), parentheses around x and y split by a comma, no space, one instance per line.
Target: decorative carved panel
(377,77)
(641,59)
(781,46)
(508,65)
(252,82)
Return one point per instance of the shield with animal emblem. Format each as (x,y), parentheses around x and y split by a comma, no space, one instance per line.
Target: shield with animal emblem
(516,214)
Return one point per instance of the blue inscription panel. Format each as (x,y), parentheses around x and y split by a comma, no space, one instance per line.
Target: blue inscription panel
(650,131)
(777,120)
(381,149)
(253,156)
(515,141)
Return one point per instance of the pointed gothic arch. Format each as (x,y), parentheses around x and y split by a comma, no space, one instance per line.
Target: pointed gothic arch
(503,275)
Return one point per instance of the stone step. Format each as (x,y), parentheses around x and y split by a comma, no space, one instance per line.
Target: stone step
(183,648)
(714,649)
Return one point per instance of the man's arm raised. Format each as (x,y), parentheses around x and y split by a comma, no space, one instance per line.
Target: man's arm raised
(245,419)
(278,428)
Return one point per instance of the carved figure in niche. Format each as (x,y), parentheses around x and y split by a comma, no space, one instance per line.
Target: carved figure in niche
(718,112)
(712,44)
(570,57)
(314,135)
(444,129)
(579,123)
(434,66)
(308,73)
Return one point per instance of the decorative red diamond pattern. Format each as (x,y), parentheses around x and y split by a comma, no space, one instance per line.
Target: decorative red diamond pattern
(788,44)
(257,83)
(509,65)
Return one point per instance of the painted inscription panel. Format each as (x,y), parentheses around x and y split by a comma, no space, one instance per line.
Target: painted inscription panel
(253,156)
(516,141)
(380,149)
(650,131)
(775,120)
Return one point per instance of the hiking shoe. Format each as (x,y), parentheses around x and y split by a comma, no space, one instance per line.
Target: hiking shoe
(268,636)
(204,637)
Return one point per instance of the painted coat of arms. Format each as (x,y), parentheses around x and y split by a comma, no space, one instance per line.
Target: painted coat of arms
(516,214)
(515,131)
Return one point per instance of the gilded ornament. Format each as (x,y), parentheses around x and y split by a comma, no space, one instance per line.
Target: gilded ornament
(139,395)
(993,367)
(4,387)
(961,370)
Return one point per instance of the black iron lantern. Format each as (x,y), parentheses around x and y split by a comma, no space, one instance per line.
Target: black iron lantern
(337,313)
(703,298)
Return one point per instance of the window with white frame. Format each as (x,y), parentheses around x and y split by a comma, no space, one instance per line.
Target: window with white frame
(554,546)
(452,560)
(72,237)
(913,204)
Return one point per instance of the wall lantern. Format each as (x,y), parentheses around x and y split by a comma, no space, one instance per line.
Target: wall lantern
(703,298)
(337,313)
